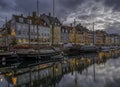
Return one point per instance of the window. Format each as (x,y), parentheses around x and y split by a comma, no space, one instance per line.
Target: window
(23,32)
(63,30)
(19,32)
(24,27)
(48,34)
(45,34)
(20,19)
(66,31)
(24,40)
(30,21)
(19,26)
(32,33)
(19,40)
(42,34)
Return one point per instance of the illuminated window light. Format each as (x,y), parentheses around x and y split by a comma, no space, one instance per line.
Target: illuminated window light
(19,40)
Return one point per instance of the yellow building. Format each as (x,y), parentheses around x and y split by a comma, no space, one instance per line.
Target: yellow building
(82,40)
(78,37)
(99,39)
(86,38)
(72,36)
(55,35)
(107,40)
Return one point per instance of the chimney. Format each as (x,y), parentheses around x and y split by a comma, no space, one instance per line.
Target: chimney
(34,14)
(21,15)
(49,14)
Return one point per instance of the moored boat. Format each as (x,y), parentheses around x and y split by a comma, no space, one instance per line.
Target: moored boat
(43,54)
(71,50)
(89,49)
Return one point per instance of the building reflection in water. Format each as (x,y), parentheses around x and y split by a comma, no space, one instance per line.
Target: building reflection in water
(50,74)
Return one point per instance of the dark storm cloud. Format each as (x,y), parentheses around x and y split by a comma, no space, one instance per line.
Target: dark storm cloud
(31,5)
(7,5)
(62,7)
(113,28)
(70,4)
(66,10)
(83,17)
(3,4)
(113,3)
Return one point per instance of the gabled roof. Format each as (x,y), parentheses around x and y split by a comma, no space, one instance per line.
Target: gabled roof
(51,19)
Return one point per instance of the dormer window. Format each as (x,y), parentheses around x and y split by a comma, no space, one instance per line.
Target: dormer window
(44,24)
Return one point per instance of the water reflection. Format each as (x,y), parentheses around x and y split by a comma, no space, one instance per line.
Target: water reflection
(85,70)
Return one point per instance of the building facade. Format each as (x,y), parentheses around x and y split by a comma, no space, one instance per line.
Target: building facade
(46,29)
(29,29)
(55,28)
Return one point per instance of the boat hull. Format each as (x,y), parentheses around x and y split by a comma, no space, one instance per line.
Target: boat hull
(71,51)
(89,49)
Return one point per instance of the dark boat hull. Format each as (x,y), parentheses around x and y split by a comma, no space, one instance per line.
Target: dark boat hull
(39,56)
(89,49)
(71,51)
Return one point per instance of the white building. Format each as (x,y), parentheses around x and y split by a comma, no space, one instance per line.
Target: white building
(29,28)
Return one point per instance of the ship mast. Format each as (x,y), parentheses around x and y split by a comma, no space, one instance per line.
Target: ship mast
(52,37)
(29,34)
(37,7)
(93,34)
(6,32)
(37,22)
(74,32)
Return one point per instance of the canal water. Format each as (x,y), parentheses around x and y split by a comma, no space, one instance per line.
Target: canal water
(85,70)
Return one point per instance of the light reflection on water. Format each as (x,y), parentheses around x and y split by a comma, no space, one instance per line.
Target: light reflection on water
(77,71)
(105,74)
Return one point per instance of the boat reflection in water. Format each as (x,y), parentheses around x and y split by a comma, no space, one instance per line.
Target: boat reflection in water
(85,70)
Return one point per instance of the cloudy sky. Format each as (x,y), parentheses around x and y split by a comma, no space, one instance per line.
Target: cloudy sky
(105,13)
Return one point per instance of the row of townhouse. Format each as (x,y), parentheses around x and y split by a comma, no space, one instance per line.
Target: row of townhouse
(82,36)
(39,30)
